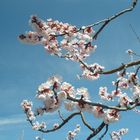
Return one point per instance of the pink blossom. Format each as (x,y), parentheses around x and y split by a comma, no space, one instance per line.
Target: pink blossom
(70,106)
(93,71)
(124,100)
(98,111)
(83,92)
(68,88)
(111,116)
(104,94)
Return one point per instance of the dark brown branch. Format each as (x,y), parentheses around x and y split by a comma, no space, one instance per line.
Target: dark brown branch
(85,123)
(106,22)
(122,67)
(62,124)
(134,63)
(104,132)
(102,105)
(137,70)
(97,130)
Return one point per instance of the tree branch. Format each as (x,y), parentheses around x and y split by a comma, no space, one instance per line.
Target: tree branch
(121,67)
(85,123)
(62,124)
(59,113)
(97,130)
(102,105)
(124,66)
(104,132)
(106,21)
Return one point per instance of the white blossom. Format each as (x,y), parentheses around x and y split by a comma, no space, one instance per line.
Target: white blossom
(116,135)
(111,116)
(68,88)
(84,92)
(72,134)
(56,125)
(70,106)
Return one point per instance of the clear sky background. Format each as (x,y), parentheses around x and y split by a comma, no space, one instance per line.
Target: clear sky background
(24,67)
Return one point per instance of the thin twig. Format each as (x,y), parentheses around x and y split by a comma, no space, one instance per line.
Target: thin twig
(137,70)
(106,22)
(85,123)
(62,124)
(60,115)
(135,33)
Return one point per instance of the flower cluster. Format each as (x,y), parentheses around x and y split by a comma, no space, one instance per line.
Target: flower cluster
(116,135)
(53,99)
(27,107)
(53,92)
(67,88)
(72,134)
(38,126)
(104,94)
(76,42)
(83,92)
(123,99)
(91,72)
(111,115)
(126,80)
(107,115)
(69,105)
(47,92)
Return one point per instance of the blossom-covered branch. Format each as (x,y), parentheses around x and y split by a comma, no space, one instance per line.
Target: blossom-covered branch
(102,105)
(116,135)
(62,124)
(77,44)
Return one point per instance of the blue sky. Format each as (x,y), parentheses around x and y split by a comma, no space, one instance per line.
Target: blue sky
(24,67)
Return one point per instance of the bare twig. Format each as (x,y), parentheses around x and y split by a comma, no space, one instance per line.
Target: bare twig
(60,115)
(137,70)
(62,124)
(135,33)
(134,63)
(85,123)
(106,21)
